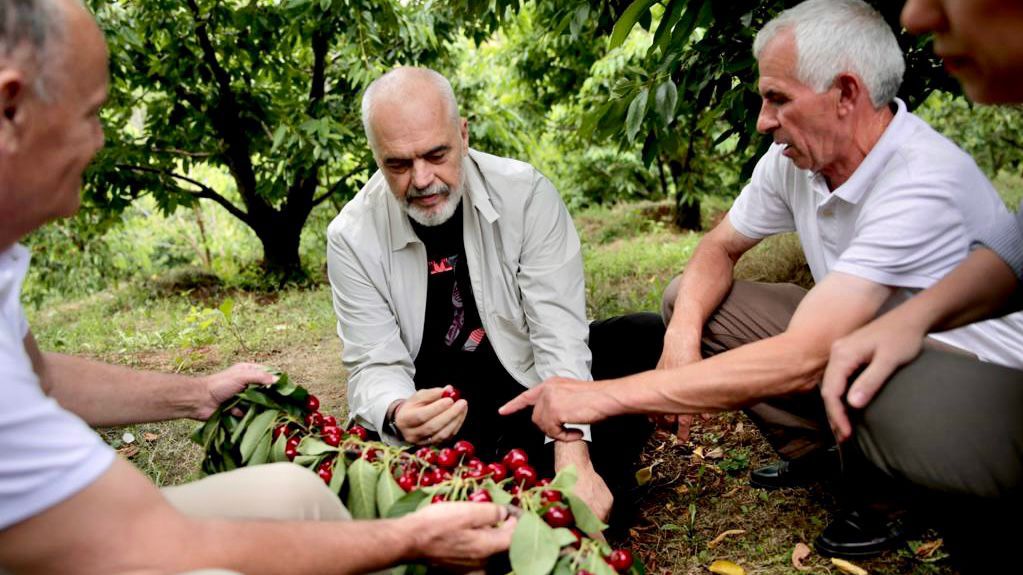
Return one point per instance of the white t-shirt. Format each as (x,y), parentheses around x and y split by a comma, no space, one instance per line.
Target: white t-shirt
(47,454)
(905,219)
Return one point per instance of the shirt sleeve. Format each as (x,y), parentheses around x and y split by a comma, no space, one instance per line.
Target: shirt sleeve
(762,209)
(47,454)
(380,366)
(1006,240)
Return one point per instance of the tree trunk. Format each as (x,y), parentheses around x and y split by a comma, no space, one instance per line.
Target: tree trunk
(280,238)
(687,204)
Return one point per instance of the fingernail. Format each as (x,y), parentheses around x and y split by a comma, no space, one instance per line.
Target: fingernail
(856,398)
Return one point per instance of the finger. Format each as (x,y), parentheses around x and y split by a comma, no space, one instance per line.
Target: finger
(419,415)
(682,431)
(449,430)
(426,396)
(872,379)
(523,400)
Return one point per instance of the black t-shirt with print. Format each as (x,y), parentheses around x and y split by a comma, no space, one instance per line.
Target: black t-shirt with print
(455,349)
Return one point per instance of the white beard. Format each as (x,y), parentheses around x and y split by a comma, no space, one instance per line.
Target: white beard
(435,215)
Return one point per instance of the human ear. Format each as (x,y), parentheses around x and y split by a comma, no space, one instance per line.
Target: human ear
(464,133)
(12,101)
(850,90)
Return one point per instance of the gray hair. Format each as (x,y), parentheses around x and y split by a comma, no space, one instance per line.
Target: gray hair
(836,36)
(397,80)
(32,29)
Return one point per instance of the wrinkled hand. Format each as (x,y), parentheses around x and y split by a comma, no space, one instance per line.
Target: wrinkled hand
(560,400)
(882,345)
(223,385)
(676,353)
(461,534)
(591,488)
(428,418)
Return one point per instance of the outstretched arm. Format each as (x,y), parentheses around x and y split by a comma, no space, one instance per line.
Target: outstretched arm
(104,394)
(979,288)
(137,530)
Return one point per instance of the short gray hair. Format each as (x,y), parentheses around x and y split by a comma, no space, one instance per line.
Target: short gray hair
(836,36)
(35,25)
(396,80)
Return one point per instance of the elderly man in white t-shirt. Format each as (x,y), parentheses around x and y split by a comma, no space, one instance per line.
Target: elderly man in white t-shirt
(884,207)
(68,504)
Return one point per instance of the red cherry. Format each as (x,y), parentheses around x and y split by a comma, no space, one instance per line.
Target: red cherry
(332,439)
(550,495)
(583,572)
(371,454)
(427,454)
(452,393)
(359,431)
(525,475)
(280,430)
(578,537)
(481,496)
(464,448)
(293,442)
(448,457)
(428,479)
(407,482)
(438,498)
(543,482)
(620,559)
(327,464)
(515,458)
(291,453)
(329,421)
(496,471)
(314,419)
(312,403)
(325,474)
(559,516)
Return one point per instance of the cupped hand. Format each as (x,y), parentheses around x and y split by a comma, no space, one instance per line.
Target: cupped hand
(428,417)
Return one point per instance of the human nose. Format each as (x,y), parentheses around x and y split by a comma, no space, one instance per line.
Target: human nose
(422,174)
(923,16)
(767,120)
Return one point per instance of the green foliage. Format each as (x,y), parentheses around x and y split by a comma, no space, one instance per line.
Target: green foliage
(993,135)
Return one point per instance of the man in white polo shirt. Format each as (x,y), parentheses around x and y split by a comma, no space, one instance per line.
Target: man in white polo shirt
(68,504)
(884,207)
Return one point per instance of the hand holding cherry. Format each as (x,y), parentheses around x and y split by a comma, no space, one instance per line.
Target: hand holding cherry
(431,416)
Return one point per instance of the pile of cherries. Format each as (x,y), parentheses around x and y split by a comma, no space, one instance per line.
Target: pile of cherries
(456,467)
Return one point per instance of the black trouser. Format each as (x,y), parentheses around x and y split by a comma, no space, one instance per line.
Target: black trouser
(620,346)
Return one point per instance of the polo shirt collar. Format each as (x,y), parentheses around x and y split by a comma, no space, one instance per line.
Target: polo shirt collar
(475,196)
(862,180)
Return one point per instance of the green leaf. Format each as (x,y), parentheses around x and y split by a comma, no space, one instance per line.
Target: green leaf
(259,428)
(563,536)
(262,453)
(337,480)
(625,24)
(585,520)
(565,479)
(598,566)
(388,491)
(259,397)
(226,307)
(579,19)
(533,549)
(564,566)
(497,494)
(309,461)
(312,446)
(241,426)
(665,99)
(637,110)
(279,447)
(362,489)
(407,503)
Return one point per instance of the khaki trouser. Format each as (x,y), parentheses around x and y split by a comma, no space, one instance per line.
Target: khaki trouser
(795,425)
(278,491)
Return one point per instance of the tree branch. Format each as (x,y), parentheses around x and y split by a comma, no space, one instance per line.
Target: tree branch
(334,189)
(204,192)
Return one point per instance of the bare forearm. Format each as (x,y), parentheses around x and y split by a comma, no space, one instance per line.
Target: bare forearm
(977,289)
(571,453)
(104,394)
(738,378)
(702,288)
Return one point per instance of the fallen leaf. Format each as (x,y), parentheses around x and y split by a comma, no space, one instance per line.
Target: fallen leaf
(732,491)
(682,489)
(925,550)
(150,436)
(848,567)
(716,453)
(644,475)
(721,536)
(722,567)
(128,437)
(698,453)
(739,428)
(128,451)
(800,552)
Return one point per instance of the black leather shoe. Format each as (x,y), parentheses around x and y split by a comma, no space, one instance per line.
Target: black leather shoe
(795,472)
(859,534)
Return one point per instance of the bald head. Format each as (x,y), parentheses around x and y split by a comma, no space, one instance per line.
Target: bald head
(409,92)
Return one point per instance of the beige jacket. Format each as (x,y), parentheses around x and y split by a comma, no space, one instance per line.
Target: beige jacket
(525,267)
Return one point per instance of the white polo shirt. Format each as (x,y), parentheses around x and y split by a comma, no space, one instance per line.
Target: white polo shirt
(905,219)
(47,454)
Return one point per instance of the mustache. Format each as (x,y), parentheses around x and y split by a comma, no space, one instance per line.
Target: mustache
(434,188)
